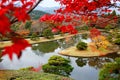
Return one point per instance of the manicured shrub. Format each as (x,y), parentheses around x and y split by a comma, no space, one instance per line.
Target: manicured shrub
(117,41)
(47,33)
(110,71)
(85,27)
(58,60)
(108,27)
(34,37)
(58,65)
(110,38)
(28,24)
(81,45)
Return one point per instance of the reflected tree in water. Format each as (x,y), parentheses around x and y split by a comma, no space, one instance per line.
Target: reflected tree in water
(81,62)
(96,62)
(46,47)
(68,41)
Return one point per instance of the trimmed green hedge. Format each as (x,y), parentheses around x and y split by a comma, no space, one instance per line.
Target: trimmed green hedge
(81,45)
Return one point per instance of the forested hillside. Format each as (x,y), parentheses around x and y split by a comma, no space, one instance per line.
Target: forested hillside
(35,14)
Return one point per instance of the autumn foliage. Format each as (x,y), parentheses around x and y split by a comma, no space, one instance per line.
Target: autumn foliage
(89,10)
(94,32)
(101,42)
(67,29)
(86,7)
(11,11)
(18,45)
(59,19)
(17,10)
(52,18)
(8,11)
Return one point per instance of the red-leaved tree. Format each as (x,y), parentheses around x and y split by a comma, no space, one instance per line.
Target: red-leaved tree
(10,12)
(88,10)
(87,7)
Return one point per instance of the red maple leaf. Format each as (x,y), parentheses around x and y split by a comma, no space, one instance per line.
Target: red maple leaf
(44,18)
(22,17)
(4,22)
(18,45)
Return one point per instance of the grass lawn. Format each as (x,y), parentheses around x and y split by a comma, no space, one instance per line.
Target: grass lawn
(29,75)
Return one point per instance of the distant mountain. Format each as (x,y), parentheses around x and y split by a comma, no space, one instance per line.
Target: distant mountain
(47,9)
(36,14)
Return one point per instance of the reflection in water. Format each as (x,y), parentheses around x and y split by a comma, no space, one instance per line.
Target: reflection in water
(81,62)
(46,47)
(96,62)
(69,41)
(84,68)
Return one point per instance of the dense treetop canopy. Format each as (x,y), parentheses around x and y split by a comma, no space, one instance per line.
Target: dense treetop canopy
(90,7)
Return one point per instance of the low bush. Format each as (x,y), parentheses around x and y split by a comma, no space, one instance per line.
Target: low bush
(117,41)
(108,27)
(81,45)
(84,36)
(34,37)
(47,33)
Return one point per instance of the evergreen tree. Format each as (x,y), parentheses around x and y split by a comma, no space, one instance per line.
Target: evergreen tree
(113,13)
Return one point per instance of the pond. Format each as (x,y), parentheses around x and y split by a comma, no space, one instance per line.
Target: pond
(84,68)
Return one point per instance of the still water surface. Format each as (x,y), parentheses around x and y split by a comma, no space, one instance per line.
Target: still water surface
(84,68)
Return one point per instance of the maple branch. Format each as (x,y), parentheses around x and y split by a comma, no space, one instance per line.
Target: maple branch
(15,19)
(34,6)
(14,34)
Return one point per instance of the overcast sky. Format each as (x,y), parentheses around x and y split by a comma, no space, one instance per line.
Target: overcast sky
(49,3)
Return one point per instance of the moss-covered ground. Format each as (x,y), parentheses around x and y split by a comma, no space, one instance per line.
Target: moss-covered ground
(29,75)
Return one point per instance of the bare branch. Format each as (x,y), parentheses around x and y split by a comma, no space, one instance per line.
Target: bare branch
(34,6)
(15,19)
